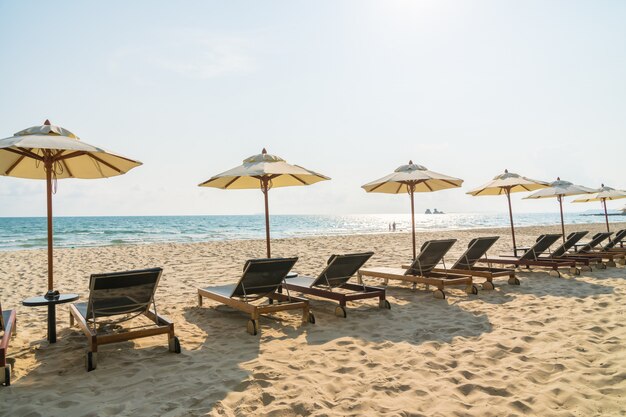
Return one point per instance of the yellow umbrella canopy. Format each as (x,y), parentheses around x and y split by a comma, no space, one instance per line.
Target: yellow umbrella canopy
(507,183)
(264,171)
(412,178)
(51,152)
(602,194)
(559,189)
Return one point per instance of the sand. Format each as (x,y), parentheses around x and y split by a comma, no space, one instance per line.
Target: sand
(550,347)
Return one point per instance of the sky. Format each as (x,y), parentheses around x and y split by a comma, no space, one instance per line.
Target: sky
(350,89)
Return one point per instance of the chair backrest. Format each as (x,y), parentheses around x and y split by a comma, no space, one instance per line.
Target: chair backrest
(117,293)
(571,240)
(431,253)
(476,249)
(595,241)
(542,244)
(263,276)
(619,236)
(340,268)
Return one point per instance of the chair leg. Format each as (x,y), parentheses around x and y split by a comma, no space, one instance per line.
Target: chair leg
(199,300)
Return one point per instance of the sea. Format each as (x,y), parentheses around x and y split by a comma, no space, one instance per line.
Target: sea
(18,233)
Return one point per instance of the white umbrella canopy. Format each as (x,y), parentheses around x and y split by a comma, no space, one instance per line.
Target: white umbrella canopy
(559,189)
(412,178)
(51,152)
(24,155)
(264,171)
(416,177)
(507,183)
(602,194)
(257,167)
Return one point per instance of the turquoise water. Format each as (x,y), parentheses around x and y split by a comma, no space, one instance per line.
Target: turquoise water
(30,232)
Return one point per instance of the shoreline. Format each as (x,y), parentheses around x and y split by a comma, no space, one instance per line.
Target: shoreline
(504,230)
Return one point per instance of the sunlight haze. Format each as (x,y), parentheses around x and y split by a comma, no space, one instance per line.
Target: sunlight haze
(350,89)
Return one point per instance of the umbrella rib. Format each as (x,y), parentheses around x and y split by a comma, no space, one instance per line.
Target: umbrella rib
(449,182)
(24,152)
(303,182)
(105,163)
(12,167)
(399,187)
(230,182)
(375,188)
(426,184)
(71,155)
(67,168)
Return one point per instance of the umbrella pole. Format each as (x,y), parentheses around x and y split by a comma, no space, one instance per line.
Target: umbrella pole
(48,167)
(265,189)
(562,222)
(606,215)
(411,193)
(508,197)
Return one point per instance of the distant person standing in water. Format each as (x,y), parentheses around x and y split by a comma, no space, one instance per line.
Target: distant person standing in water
(390,227)
(393,225)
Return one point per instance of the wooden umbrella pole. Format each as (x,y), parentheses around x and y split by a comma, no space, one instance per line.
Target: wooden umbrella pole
(48,168)
(560,198)
(606,215)
(411,188)
(508,197)
(265,189)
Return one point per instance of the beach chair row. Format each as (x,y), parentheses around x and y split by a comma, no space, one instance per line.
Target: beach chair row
(267,286)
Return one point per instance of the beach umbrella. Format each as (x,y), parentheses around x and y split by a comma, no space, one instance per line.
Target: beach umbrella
(560,189)
(508,183)
(264,172)
(602,194)
(50,153)
(411,179)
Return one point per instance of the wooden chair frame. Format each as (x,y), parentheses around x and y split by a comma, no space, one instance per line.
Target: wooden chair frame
(276,302)
(95,338)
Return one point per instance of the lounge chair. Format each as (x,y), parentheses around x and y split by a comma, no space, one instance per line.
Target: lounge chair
(117,297)
(332,282)
(466,264)
(531,257)
(618,239)
(261,279)
(582,259)
(8,329)
(593,244)
(593,248)
(422,270)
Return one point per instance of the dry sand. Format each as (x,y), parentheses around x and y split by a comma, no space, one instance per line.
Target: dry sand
(550,347)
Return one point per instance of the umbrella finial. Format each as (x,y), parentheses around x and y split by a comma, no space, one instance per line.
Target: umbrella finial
(602,185)
(506,171)
(264,151)
(410,162)
(47,123)
(558,178)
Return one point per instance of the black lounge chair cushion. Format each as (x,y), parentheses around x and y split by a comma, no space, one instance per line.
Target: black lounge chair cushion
(476,248)
(120,293)
(340,268)
(260,277)
(542,244)
(431,253)
(110,307)
(301,281)
(223,290)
